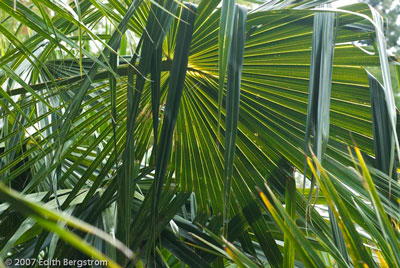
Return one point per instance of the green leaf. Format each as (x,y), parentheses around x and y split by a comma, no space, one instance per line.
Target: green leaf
(383,221)
(235,64)
(206,7)
(226,25)
(238,257)
(176,84)
(303,248)
(157,26)
(383,142)
(352,238)
(263,233)
(48,219)
(387,82)
(114,42)
(290,207)
(318,118)
(156,92)
(182,251)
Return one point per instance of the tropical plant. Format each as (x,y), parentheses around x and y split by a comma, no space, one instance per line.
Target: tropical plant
(143,133)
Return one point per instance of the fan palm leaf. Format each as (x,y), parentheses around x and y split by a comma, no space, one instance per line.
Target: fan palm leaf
(102,113)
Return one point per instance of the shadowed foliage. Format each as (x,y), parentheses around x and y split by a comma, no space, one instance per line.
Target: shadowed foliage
(164,133)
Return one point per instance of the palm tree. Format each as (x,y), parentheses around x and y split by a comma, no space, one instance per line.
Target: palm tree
(163,133)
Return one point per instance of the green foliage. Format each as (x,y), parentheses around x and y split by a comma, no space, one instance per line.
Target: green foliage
(161,133)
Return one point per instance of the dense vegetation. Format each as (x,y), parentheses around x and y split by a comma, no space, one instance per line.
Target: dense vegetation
(166,134)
